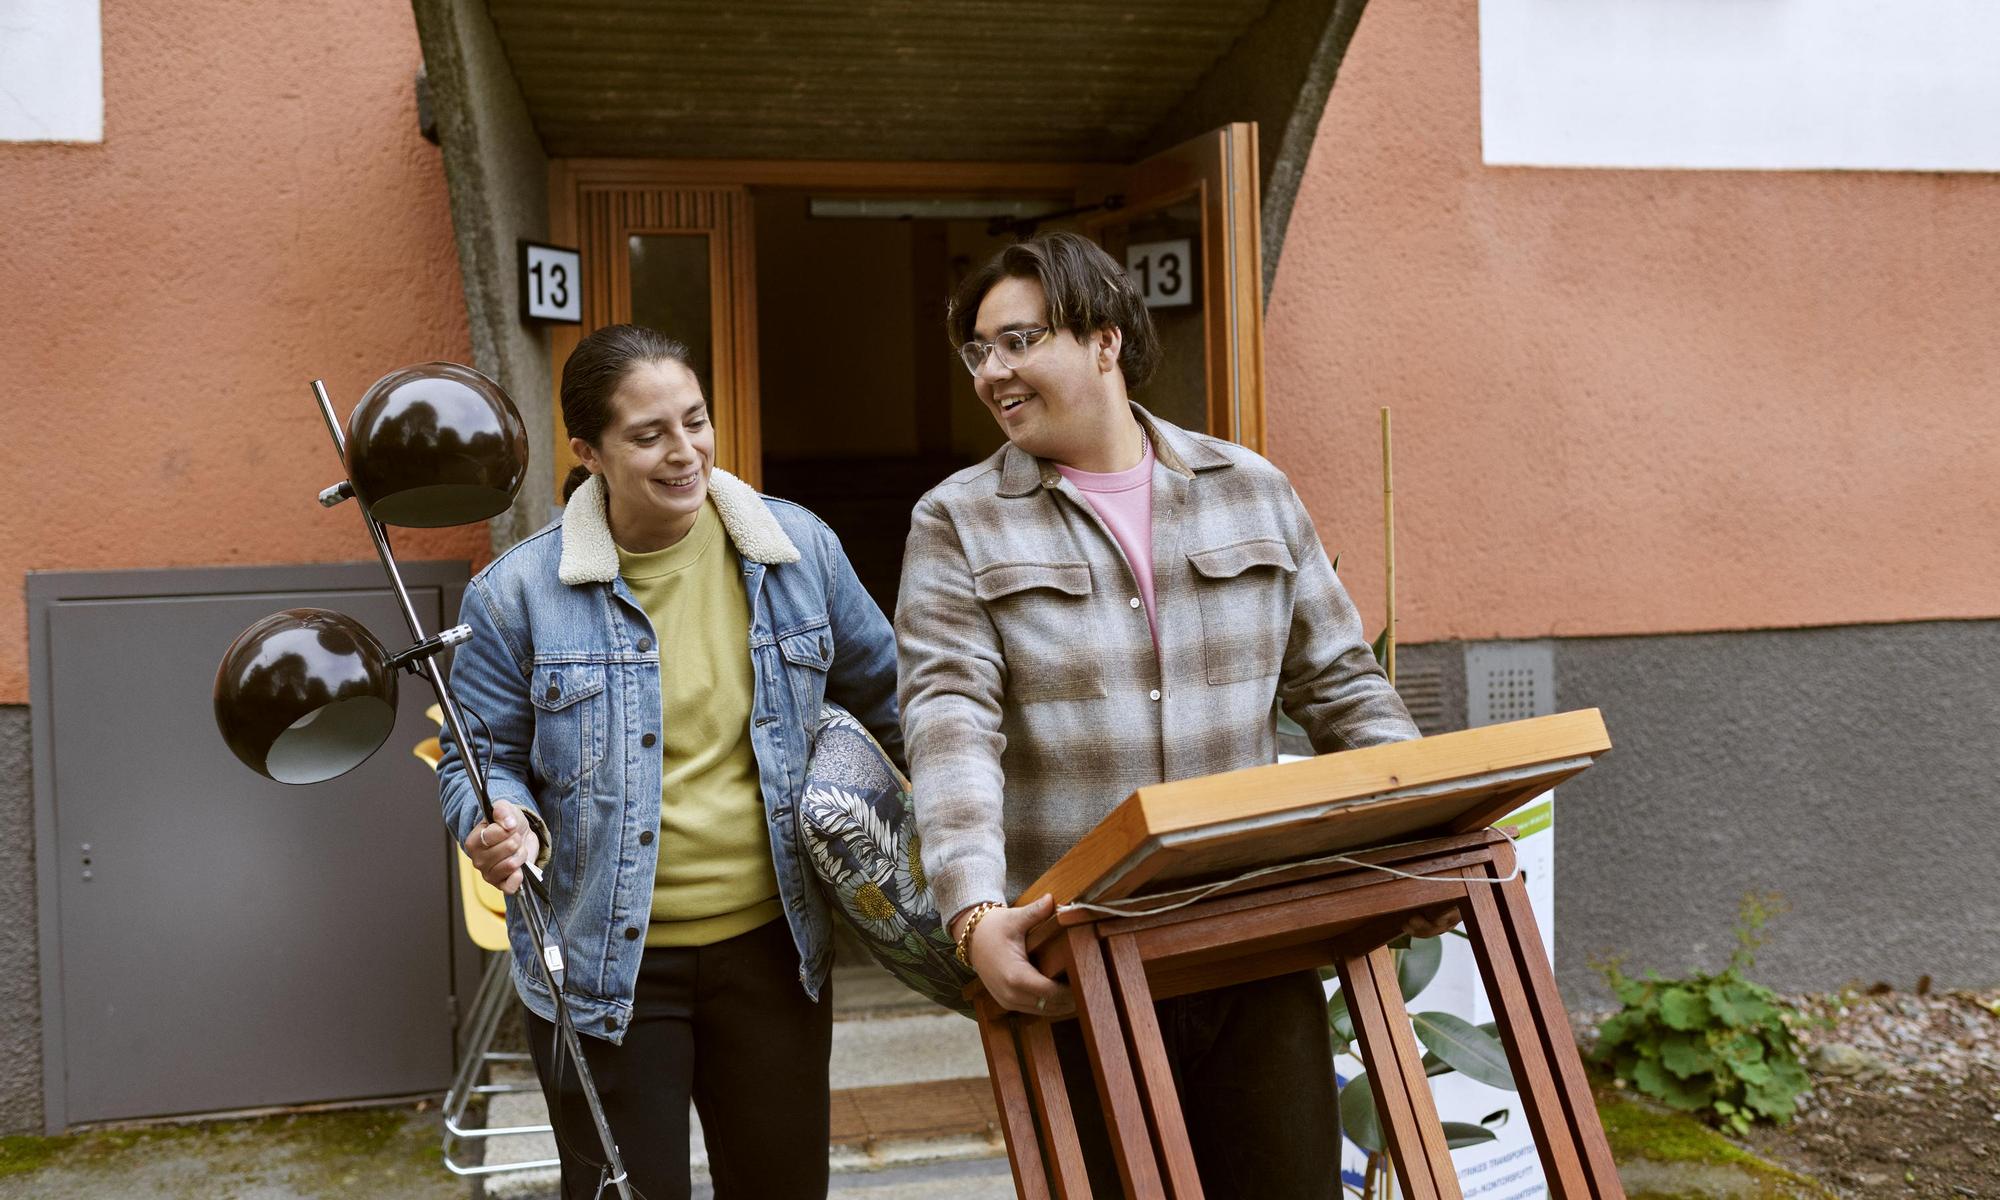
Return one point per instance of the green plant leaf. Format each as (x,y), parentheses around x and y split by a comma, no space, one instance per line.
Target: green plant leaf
(1632,993)
(1683,1008)
(1458,1134)
(1497,1118)
(1433,1065)
(1381,647)
(1419,965)
(1687,1055)
(1747,1048)
(1359,1121)
(1470,1050)
(1337,1016)
(1738,1004)
(1685,1094)
(1754,1074)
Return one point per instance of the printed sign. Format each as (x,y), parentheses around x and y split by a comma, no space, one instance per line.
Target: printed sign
(1163,271)
(550,284)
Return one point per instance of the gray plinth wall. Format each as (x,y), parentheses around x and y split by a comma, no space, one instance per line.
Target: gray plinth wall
(1854,770)
(20,971)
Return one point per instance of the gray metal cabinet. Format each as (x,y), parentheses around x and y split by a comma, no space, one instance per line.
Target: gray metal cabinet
(210,940)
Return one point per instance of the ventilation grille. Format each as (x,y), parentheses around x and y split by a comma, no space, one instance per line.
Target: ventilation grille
(1509,682)
(1422,690)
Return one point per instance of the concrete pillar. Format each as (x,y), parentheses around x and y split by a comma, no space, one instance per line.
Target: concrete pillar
(1278,74)
(498,179)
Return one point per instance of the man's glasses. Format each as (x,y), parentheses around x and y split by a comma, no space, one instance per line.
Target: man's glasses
(1011,347)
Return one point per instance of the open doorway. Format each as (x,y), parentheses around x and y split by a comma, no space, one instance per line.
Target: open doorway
(814,295)
(864,403)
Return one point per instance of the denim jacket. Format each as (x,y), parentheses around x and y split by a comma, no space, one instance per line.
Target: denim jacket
(564,670)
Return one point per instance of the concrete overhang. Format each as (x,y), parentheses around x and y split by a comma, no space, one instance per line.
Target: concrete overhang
(514,83)
(889,80)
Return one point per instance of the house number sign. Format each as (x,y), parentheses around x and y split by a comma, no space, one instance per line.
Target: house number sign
(551,284)
(1163,271)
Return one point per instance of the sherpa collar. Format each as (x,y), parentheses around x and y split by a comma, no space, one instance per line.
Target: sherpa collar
(590,556)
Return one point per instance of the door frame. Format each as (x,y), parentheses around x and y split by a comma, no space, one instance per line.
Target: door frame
(571,178)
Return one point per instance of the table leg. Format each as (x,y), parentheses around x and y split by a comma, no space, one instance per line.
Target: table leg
(1410,1123)
(1010,1089)
(1065,1153)
(1536,1037)
(1156,1076)
(1104,1036)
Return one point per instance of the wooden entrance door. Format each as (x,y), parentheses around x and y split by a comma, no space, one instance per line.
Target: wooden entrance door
(1185,224)
(680,259)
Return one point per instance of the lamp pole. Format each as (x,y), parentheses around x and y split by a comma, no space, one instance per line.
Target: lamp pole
(531,897)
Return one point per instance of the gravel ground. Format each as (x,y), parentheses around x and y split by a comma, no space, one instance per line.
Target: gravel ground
(1905,1099)
(1906,1096)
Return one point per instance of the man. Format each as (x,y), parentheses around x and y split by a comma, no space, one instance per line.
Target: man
(1110,602)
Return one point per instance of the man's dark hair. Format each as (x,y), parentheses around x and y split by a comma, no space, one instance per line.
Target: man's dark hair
(1087,291)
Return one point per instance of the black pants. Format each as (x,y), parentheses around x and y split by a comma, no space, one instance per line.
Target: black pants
(1253,1064)
(728,1026)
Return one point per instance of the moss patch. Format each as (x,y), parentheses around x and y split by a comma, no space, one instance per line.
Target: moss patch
(1641,1131)
(359,1154)
(22,1154)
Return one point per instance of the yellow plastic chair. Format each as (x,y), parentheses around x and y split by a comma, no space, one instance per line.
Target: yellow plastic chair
(484,909)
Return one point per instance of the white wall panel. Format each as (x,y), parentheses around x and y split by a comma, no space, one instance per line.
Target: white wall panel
(51,71)
(1759,84)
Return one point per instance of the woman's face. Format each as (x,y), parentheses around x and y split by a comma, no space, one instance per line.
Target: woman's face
(655,455)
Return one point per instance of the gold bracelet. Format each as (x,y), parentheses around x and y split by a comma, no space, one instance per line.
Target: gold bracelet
(971,923)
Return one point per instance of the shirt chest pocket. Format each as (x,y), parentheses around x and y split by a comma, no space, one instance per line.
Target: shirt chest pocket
(1245,590)
(808,655)
(1043,614)
(572,720)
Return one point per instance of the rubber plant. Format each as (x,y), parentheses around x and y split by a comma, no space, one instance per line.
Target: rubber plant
(1451,1043)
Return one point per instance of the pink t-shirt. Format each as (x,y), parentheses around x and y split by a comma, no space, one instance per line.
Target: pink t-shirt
(1124,502)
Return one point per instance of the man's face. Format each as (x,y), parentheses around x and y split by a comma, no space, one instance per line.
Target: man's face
(655,455)
(1052,402)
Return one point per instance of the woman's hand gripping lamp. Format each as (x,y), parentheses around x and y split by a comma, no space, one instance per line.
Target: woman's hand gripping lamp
(307,694)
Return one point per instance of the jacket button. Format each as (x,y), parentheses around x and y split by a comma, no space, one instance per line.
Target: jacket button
(555,693)
(1135,602)
(1156,693)
(648,740)
(645,837)
(631,933)
(645,644)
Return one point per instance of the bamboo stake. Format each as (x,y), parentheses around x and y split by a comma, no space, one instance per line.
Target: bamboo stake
(1389,554)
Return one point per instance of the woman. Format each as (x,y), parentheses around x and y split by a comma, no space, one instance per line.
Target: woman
(648,667)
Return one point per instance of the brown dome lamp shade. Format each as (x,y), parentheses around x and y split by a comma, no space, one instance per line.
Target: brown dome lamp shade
(305,695)
(436,444)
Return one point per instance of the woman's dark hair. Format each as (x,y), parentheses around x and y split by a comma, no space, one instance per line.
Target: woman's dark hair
(595,368)
(1087,291)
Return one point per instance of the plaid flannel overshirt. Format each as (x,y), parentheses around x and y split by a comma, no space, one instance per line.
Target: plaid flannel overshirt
(1033,699)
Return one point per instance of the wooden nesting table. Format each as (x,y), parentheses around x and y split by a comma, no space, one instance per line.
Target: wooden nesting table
(1318,835)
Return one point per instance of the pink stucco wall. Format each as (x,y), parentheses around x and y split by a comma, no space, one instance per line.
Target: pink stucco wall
(1624,401)
(262,211)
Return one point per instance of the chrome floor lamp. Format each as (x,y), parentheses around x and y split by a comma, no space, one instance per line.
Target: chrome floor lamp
(307,694)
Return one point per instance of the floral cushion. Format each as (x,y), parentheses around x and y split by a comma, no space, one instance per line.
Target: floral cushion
(861,838)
